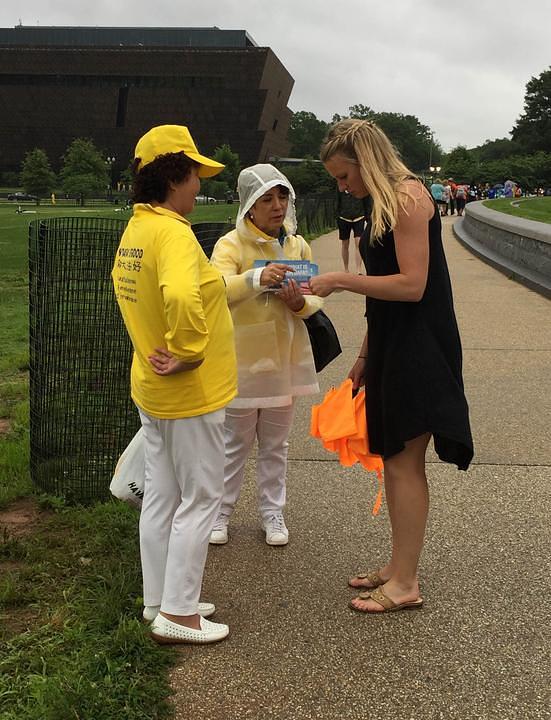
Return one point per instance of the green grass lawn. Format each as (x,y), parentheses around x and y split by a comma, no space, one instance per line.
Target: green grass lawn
(14,324)
(71,644)
(537,208)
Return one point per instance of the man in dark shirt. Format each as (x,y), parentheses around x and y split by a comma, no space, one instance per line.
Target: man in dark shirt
(351,214)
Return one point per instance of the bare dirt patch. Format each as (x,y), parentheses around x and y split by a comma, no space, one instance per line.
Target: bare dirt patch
(5,427)
(17,621)
(21,518)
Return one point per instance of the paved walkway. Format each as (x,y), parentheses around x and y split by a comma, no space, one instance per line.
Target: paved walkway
(480,647)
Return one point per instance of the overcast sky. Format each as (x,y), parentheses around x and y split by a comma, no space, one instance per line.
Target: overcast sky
(460,67)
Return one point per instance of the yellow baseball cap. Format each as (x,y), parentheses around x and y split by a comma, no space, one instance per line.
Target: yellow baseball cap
(165,139)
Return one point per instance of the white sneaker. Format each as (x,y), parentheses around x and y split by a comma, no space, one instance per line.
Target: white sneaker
(166,632)
(276,530)
(219,534)
(204,609)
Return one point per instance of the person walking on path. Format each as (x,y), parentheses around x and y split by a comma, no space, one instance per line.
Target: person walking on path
(460,199)
(173,302)
(437,190)
(446,197)
(351,214)
(274,355)
(453,188)
(410,360)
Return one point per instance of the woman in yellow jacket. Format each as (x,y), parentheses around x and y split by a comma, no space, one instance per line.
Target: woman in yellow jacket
(173,303)
(274,356)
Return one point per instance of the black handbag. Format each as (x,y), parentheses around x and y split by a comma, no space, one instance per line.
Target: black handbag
(323,338)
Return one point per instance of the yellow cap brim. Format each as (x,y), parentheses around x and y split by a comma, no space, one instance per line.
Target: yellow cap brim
(207,167)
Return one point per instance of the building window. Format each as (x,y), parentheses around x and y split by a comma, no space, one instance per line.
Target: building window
(121,106)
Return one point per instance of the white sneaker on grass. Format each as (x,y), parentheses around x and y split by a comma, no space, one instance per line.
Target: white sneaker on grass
(219,534)
(276,530)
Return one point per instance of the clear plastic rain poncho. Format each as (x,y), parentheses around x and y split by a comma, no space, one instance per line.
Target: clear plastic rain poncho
(256,180)
(274,355)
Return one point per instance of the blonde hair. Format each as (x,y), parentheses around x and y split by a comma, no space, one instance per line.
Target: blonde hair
(363,143)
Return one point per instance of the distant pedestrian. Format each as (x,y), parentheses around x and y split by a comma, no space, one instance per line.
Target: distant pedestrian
(509,189)
(437,190)
(446,197)
(350,221)
(460,198)
(453,188)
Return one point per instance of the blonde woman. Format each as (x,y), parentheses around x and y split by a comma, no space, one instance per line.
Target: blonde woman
(410,359)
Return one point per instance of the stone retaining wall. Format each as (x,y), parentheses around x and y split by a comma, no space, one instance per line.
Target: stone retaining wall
(518,247)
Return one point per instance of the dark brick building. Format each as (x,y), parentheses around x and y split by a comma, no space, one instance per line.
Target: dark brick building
(113,84)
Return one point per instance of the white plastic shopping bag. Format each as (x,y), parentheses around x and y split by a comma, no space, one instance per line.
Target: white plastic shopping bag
(129,476)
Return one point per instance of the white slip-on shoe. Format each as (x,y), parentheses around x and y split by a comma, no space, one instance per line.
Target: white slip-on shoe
(204,609)
(166,632)
(219,534)
(276,530)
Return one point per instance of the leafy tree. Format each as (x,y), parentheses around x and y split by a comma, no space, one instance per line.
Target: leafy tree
(84,170)
(306,134)
(533,129)
(37,177)
(496,149)
(126,176)
(309,178)
(10,178)
(226,181)
(337,118)
(528,171)
(460,164)
(541,166)
(227,157)
(361,112)
(212,187)
(413,140)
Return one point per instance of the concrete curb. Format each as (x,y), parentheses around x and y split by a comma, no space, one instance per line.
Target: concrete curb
(515,270)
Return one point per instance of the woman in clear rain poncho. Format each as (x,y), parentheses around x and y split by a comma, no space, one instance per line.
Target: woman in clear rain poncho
(274,355)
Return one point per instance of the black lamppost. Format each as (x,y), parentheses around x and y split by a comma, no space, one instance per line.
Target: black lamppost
(110,161)
(433,169)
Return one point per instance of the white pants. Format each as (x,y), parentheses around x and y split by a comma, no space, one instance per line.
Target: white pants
(184,461)
(271,426)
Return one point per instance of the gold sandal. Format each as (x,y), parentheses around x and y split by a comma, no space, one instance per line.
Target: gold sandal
(372,577)
(380,597)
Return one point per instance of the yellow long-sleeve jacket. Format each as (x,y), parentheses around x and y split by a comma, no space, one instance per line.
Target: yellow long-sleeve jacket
(274,355)
(170,296)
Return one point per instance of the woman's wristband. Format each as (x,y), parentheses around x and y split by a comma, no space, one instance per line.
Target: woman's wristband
(363,357)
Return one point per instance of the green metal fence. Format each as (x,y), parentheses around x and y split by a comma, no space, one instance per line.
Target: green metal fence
(316,214)
(81,415)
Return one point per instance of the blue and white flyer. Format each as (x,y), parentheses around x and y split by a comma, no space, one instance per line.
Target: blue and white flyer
(303,270)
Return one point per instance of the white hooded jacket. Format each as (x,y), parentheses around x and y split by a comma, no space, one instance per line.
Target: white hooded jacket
(274,355)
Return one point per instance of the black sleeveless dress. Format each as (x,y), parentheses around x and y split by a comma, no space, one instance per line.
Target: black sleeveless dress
(414,382)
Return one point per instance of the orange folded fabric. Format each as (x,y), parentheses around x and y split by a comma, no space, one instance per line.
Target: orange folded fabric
(339,421)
